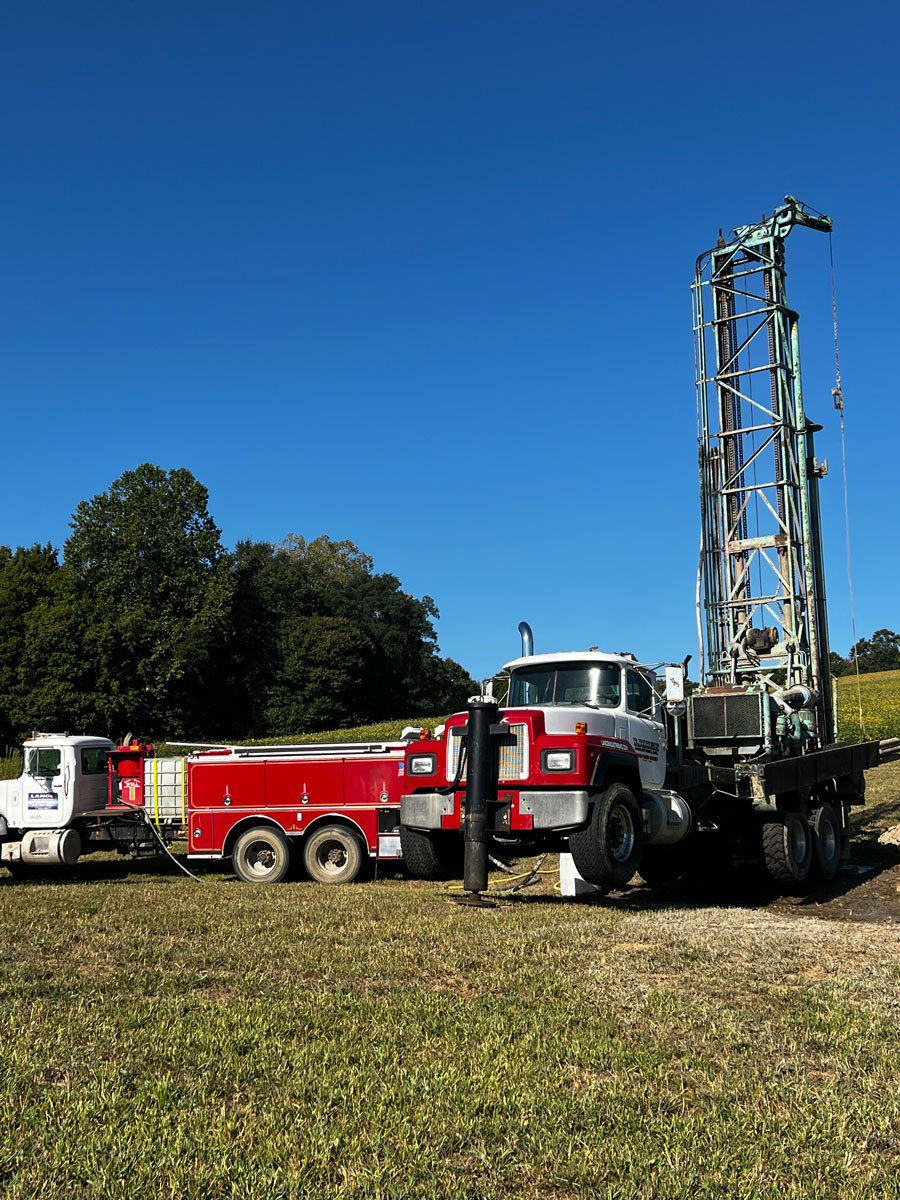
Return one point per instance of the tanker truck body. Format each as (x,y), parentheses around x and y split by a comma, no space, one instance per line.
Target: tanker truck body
(332,809)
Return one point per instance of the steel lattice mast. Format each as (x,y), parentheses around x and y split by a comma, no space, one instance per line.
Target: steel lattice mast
(763,580)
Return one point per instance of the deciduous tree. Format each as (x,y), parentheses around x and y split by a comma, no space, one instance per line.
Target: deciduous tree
(147,556)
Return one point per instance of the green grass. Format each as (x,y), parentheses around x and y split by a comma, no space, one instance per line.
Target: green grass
(11,766)
(879,694)
(383,731)
(166,1038)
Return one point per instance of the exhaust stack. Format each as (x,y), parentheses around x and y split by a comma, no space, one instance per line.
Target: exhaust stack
(527,639)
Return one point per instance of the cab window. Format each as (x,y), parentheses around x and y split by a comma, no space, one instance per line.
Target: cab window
(639,694)
(93,761)
(43,762)
(593,684)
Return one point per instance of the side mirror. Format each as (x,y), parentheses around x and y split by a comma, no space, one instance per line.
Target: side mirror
(675,685)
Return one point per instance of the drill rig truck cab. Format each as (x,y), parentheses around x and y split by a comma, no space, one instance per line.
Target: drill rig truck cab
(583,765)
(592,758)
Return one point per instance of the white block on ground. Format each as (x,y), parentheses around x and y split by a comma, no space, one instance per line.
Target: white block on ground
(570,882)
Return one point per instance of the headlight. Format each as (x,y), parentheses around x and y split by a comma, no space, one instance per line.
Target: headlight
(422,764)
(558,760)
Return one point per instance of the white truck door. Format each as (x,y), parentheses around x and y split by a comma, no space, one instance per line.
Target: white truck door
(11,801)
(646,727)
(90,777)
(47,787)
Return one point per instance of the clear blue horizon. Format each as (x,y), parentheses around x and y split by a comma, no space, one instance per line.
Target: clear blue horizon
(418,276)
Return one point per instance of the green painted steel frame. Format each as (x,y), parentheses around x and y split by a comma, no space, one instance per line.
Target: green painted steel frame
(763,581)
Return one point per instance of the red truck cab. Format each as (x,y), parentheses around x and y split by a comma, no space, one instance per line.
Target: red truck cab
(582,769)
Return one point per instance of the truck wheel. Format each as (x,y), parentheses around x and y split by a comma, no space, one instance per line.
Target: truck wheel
(826,841)
(607,851)
(333,854)
(261,855)
(430,855)
(787,848)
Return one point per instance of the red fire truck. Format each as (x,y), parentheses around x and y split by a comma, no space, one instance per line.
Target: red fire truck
(332,808)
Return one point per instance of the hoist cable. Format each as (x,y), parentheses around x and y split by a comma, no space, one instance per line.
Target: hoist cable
(838,397)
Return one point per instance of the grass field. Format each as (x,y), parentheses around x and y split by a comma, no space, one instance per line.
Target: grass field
(166,1038)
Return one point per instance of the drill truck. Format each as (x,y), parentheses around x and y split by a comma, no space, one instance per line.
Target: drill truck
(589,755)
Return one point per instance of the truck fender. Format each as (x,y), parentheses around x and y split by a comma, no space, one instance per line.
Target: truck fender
(336,818)
(614,765)
(246,823)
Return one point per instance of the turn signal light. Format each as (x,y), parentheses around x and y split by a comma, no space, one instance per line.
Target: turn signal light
(581,726)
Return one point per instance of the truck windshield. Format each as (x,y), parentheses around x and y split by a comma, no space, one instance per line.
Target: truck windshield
(596,684)
(43,762)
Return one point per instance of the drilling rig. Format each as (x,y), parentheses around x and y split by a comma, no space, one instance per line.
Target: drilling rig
(765,709)
(588,756)
(761,568)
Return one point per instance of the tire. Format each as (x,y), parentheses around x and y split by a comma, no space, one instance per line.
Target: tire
(261,855)
(333,854)
(826,842)
(608,850)
(432,855)
(787,848)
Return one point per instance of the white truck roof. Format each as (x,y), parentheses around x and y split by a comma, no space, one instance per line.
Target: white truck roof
(67,739)
(572,656)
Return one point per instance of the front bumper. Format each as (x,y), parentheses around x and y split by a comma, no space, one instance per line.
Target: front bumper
(424,810)
(554,810)
(513,811)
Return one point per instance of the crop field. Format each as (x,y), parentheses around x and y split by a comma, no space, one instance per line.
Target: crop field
(879,693)
(167,1038)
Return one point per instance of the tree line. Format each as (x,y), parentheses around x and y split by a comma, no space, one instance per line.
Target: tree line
(880,652)
(149,624)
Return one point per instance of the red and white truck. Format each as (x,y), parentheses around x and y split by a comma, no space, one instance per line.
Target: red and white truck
(583,768)
(334,808)
(596,758)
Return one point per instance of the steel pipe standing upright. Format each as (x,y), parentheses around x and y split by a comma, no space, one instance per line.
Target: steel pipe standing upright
(480,788)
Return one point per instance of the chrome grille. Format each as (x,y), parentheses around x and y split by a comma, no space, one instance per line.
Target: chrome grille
(513,752)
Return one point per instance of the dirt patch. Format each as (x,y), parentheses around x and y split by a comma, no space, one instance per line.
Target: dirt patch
(867,889)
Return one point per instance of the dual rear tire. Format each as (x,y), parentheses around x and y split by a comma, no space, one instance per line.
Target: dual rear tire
(796,847)
(331,854)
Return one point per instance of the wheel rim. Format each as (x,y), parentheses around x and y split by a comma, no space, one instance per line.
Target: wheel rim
(828,841)
(332,857)
(798,842)
(621,833)
(261,859)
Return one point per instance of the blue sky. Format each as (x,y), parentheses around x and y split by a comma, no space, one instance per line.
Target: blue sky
(417,275)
